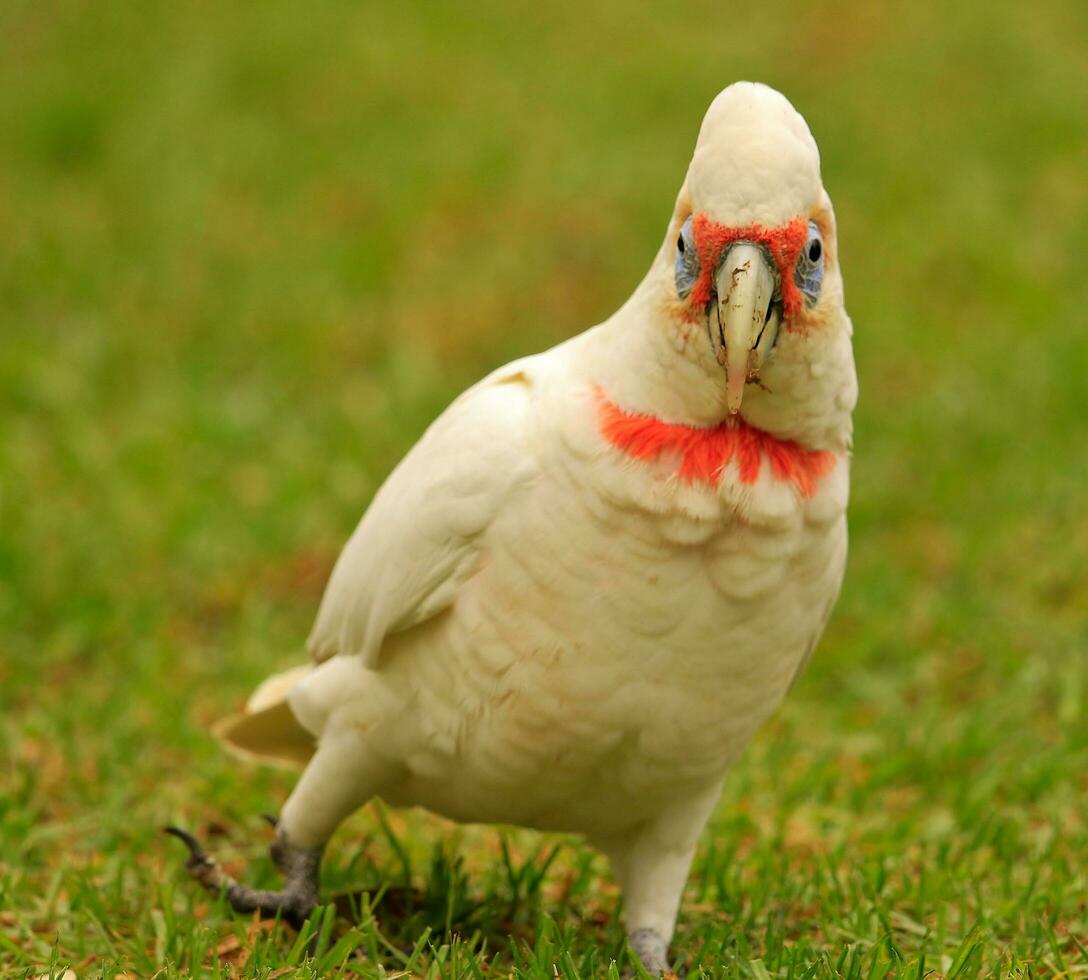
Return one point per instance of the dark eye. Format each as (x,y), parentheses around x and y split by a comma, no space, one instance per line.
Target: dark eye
(680,244)
(815,250)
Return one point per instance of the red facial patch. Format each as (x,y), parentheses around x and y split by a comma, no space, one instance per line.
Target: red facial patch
(704,453)
(784,243)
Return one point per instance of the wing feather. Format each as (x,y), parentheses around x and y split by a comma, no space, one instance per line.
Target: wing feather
(420,539)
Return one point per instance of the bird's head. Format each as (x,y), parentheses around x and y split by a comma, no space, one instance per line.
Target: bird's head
(748,277)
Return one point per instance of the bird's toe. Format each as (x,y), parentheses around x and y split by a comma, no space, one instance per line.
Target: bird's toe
(293,903)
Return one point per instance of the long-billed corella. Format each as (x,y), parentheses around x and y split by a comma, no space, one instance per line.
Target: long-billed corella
(602,567)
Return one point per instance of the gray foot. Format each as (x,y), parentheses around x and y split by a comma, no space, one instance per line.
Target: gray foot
(293,903)
(652,951)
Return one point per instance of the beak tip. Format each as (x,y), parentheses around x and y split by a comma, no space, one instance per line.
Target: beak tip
(736,378)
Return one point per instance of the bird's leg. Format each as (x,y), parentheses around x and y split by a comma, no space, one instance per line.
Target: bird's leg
(651,867)
(646,943)
(655,874)
(294,902)
(339,779)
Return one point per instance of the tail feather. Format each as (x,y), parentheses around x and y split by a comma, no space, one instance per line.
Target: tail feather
(267,730)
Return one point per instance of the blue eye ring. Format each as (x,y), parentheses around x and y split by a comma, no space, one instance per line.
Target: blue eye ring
(808,273)
(686,265)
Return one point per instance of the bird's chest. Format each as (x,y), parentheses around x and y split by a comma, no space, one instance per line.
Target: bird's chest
(626,651)
(694,604)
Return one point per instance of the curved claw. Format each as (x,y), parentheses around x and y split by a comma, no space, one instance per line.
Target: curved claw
(200,864)
(272,820)
(195,850)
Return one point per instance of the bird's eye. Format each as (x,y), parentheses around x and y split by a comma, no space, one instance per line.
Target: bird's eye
(809,271)
(687,262)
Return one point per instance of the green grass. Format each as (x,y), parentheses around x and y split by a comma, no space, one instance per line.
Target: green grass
(248,251)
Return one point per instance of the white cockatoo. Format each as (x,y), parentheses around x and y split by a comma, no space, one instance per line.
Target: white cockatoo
(600,570)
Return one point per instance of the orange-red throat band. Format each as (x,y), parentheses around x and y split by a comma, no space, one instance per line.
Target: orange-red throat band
(784,243)
(703,454)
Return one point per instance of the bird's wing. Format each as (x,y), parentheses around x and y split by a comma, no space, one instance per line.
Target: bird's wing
(420,539)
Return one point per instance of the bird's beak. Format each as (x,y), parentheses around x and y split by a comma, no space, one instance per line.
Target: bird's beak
(745,284)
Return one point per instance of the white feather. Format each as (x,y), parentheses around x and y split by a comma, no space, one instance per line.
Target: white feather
(418,541)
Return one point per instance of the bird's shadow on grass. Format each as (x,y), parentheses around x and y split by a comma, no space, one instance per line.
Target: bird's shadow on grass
(505,915)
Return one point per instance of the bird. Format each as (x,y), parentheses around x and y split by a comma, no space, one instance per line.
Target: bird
(600,570)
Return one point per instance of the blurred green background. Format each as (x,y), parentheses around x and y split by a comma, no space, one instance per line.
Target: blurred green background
(248,251)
